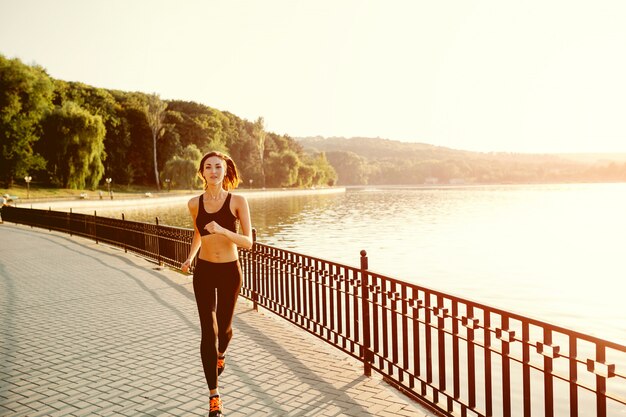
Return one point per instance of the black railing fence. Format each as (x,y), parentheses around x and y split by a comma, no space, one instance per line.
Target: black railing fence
(456,356)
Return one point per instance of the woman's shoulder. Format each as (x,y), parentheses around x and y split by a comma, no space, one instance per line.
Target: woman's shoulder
(238,198)
(194,201)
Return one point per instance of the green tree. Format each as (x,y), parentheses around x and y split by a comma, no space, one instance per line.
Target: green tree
(306,175)
(315,170)
(351,169)
(260,136)
(132,153)
(244,150)
(325,174)
(155,114)
(282,169)
(181,170)
(73,144)
(207,128)
(104,103)
(25,97)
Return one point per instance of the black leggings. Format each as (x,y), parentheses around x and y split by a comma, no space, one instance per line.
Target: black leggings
(216,286)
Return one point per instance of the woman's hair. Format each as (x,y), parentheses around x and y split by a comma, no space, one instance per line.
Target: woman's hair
(231,177)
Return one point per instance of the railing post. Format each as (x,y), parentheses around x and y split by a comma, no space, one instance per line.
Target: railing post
(255,282)
(158,246)
(600,381)
(95,226)
(368,356)
(124,235)
(69,217)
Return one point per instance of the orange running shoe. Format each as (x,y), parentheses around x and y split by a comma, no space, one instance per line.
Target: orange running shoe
(215,407)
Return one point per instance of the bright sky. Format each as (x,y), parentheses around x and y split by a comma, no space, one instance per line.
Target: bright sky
(518,76)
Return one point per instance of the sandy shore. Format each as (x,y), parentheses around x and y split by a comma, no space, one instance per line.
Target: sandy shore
(163,199)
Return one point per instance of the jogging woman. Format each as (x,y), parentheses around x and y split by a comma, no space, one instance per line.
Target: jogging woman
(217,275)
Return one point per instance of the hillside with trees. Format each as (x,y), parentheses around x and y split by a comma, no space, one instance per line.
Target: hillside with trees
(375,161)
(72,135)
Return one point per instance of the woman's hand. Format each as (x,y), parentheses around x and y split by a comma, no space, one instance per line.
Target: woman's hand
(214,228)
(185,266)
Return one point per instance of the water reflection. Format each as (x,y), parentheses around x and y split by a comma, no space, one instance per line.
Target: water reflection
(274,216)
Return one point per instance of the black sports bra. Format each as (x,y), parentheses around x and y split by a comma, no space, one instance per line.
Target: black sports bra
(224,217)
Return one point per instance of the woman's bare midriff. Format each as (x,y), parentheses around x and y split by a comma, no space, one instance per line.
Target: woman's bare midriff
(218,249)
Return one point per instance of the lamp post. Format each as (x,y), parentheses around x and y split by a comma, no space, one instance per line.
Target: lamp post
(250,183)
(168,182)
(108,181)
(28,179)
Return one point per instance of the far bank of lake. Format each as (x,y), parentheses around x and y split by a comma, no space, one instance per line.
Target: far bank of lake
(95,202)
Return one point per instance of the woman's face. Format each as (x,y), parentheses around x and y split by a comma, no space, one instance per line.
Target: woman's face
(214,170)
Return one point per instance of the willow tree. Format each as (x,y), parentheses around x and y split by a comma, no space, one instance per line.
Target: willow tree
(182,170)
(73,145)
(155,114)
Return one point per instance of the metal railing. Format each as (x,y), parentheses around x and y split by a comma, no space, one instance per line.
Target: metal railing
(456,356)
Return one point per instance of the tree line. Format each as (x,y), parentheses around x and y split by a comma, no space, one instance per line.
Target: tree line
(72,135)
(375,161)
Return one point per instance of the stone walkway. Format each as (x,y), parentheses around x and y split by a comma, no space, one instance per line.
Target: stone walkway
(87,330)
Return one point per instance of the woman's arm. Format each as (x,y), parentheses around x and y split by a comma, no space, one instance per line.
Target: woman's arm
(243,239)
(197,239)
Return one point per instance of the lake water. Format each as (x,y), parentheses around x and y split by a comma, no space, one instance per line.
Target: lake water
(552,252)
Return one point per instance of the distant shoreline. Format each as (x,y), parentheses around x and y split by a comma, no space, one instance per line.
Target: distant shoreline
(177,197)
(162,199)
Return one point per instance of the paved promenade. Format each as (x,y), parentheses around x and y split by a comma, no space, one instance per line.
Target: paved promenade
(87,330)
